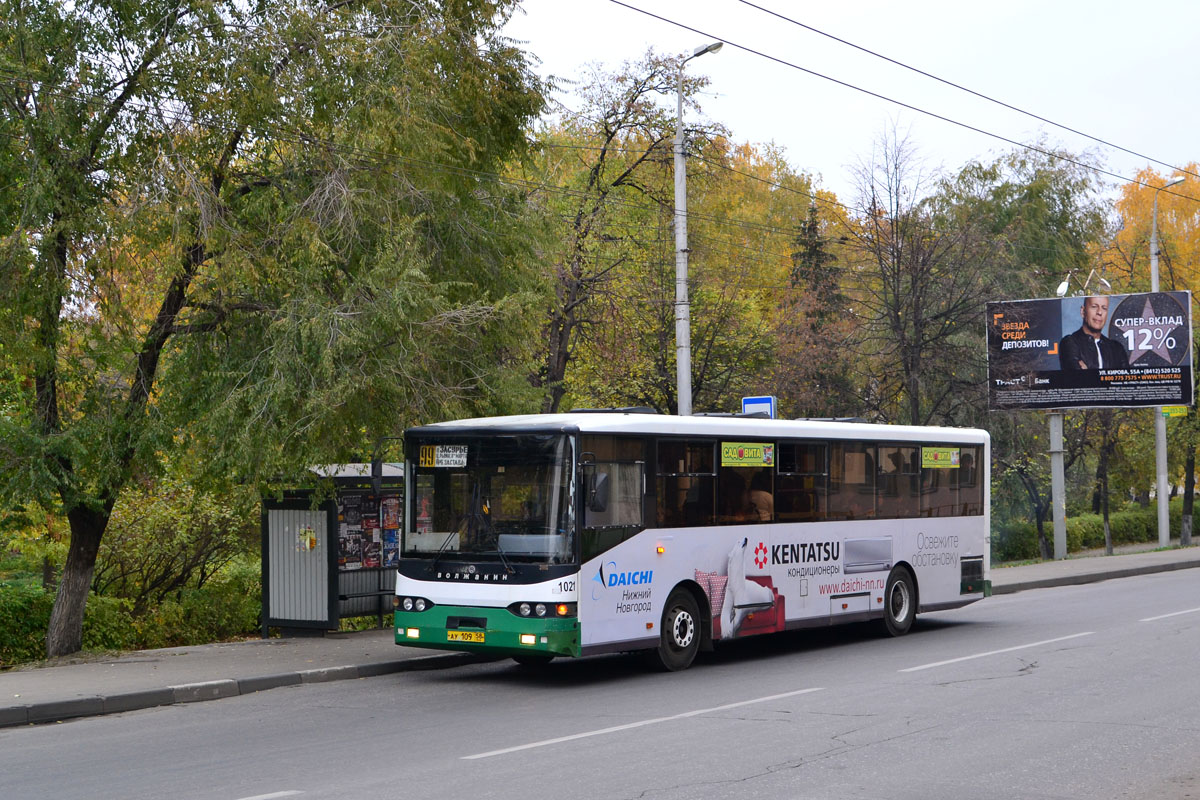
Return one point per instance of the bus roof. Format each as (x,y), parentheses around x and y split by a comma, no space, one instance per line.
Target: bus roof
(727,426)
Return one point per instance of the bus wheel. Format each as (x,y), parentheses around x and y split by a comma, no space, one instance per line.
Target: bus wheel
(533,660)
(899,602)
(679,640)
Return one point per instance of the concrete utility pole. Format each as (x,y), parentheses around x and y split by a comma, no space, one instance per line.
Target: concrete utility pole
(683,314)
(1058,484)
(1160,422)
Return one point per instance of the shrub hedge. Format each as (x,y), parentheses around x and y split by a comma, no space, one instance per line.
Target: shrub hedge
(1018,542)
(225,608)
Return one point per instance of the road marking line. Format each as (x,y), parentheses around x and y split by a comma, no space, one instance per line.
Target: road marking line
(996,652)
(1172,614)
(273,795)
(642,723)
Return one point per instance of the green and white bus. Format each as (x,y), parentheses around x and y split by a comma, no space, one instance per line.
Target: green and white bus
(591,532)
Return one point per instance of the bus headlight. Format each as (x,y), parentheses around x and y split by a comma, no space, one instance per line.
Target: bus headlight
(544,610)
(412,603)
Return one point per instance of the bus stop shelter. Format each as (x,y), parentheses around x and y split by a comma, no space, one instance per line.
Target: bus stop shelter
(323,562)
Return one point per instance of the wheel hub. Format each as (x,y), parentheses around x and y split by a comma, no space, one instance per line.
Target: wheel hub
(684,629)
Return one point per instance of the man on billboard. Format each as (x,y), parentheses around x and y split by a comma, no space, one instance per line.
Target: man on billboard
(1088,347)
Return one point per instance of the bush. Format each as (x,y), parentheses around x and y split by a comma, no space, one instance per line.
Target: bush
(1018,541)
(24,617)
(224,608)
(168,537)
(108,624)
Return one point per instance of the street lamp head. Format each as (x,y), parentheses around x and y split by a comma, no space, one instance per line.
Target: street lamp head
(1175,181)
(708,48)
(1061,291)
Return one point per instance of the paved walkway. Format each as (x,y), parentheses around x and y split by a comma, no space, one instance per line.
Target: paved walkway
(143,679)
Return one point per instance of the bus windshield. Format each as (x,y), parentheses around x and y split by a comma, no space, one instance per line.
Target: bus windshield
(504,498)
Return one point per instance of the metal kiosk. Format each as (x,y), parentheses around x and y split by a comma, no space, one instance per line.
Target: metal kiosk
(336,560)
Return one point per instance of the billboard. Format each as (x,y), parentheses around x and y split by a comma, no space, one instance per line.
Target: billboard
(1096,351)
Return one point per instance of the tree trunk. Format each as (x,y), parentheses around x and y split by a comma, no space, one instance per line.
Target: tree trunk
(1043,544)
(1108,547)
(65,632)
(49,576)
(1107,445)
(1189,494)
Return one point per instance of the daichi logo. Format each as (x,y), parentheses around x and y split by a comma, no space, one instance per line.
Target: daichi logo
(608,576)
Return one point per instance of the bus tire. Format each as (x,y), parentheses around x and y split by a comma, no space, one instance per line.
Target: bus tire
(679,638)
(899,602)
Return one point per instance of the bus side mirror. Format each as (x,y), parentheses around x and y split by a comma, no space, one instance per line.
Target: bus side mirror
(598,499)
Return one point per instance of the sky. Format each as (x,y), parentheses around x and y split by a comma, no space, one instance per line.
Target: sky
(1124,72)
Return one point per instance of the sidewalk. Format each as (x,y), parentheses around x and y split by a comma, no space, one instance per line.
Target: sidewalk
(144,679)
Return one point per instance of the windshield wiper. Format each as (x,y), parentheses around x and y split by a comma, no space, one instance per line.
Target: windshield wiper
(500,552)
(438,556)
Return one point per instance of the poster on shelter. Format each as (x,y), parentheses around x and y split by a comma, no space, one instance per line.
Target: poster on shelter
(391,547)
(350,547)
(1121,350)
(370,513)
(371,546)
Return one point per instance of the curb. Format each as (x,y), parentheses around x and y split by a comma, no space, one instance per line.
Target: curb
(1092,577)
(97,705)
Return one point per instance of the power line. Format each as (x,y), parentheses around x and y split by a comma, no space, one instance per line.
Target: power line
(960,87)
(878,96)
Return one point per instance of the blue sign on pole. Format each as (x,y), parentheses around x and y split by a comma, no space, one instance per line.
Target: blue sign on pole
(752,405)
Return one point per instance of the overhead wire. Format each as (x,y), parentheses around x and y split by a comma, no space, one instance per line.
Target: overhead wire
(966,89)
(902,104)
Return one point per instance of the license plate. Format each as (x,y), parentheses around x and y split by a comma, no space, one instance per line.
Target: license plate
(465,636)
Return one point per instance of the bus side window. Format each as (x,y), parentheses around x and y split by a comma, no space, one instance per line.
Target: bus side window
(613,494)
(970,489)
(800,482)
(953,491)
(851,481)
(685,483)
(613,491)
(897,490)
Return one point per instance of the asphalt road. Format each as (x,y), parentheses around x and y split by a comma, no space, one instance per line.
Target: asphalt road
(1073,692)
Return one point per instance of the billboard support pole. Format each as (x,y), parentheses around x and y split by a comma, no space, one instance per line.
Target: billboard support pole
(1160,422)
(1058,485)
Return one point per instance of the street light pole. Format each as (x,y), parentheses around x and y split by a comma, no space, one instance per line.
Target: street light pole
(1160,422)
(683,317)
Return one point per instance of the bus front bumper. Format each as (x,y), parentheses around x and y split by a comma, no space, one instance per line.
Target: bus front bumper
(487,631)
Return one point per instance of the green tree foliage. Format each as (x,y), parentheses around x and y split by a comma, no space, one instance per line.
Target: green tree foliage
(920,276)
(816,317)
(603,167)
(610,336)
(167,537)
(264,233)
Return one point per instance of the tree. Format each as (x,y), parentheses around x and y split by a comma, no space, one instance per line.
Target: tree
(609,155)
(255,236)
(1178,232)
(920,281)
(743,205)
(816,328)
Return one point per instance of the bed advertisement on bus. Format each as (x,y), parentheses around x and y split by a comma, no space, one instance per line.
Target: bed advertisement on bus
(764,579)
(1121,350)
